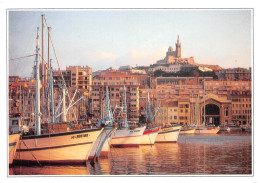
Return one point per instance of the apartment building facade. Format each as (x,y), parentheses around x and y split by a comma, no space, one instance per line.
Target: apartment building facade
(115,81)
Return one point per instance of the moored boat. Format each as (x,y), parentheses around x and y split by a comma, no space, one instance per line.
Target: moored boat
(150,135)
(151,131)
(127,135)
(225,129)
(206,130)
(59,148)
(101,148)
(188,131)
(168,134)
(14,140)
(67,147)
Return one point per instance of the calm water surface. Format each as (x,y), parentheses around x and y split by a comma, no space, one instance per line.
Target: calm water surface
(222,154)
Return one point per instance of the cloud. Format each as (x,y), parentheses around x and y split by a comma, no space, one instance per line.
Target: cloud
(106,55)
(140,57)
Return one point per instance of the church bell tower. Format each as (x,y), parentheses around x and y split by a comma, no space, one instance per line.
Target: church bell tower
(178,48)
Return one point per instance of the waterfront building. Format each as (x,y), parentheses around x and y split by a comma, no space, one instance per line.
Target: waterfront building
(18,91)
(115,82)
(223,88)
(57,77)
(81,78)
(235,74)
(184,111)
(176,80)
(241,108)
(75,77)
(173,115)
(218,110)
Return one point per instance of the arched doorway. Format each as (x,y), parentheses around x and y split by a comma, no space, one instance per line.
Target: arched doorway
(212,115)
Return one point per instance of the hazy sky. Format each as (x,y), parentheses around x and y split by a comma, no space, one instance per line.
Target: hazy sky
(104,38)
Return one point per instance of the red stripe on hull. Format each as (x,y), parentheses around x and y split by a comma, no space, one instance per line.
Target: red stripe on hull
(165,141)
(103,154)
(125,145)
(151,131)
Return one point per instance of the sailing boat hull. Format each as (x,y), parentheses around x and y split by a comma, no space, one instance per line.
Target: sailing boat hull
(188,131)
(13,143)
(149,136)
(101,148)
(60,148)
(126,137)
(207,131)
(168,134)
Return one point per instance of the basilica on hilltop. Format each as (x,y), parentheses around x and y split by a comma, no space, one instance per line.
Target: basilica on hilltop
(174,57)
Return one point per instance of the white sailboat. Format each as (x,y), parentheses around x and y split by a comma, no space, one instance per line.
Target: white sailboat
(126,136)
(188,131)
(206,130)
(150,132)
(168,133)
(66,148)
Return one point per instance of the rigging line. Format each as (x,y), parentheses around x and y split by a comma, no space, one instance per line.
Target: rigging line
(59,66)
(59,69)
(42,58)
(21,57)
(30,44)
(31,153)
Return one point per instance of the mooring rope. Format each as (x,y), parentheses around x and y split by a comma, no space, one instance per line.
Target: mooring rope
(32,153)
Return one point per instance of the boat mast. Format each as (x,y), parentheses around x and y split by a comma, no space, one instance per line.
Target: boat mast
(20,99)
(49,36)
(149,109)
(125,109)
(43,74)
(37,97)
(192,110)
(204,122)
(52,97)
(64,119)
(48,74)
(108,113)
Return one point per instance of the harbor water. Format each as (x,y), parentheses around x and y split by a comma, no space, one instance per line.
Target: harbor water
(221,154)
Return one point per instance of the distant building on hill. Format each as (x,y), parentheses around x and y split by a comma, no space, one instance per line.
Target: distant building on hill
(174,57)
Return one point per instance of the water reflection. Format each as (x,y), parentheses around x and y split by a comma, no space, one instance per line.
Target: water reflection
(192,155)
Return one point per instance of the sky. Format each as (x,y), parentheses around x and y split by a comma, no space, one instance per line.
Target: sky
(103,38)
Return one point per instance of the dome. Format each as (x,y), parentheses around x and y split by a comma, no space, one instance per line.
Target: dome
(170,49)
